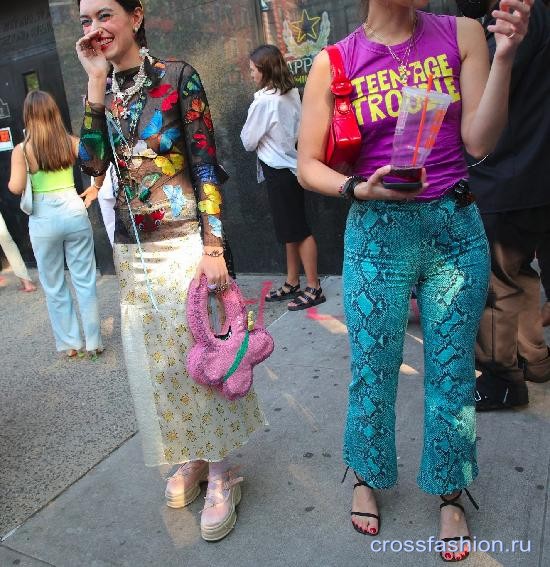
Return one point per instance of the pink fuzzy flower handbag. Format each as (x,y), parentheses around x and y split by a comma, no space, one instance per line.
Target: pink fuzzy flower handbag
(225,364)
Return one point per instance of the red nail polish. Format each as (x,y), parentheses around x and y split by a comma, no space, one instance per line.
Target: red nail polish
(373,530)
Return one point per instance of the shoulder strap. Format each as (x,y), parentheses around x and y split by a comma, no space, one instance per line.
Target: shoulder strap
(336,63)
(25,156)
(341,85)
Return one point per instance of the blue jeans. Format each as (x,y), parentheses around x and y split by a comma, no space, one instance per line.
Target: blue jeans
(442,249)
(60,230)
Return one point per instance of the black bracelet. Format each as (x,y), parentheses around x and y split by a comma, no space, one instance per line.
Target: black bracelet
(347,191)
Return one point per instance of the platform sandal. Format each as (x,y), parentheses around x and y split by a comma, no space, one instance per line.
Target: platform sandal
(310,297)
(286,291)
(455,556)
(363,514)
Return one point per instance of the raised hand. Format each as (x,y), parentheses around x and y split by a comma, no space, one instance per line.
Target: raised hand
(89,53)
(511,25)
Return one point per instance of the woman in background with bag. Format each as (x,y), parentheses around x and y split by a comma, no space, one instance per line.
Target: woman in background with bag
(431,236)
(151,119)
(59,228)
(271,130)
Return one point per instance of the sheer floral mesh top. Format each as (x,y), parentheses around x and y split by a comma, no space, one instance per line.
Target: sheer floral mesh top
(165,149)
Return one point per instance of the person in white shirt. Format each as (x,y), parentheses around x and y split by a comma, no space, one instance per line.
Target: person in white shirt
(102,190)
(14,258)
(271,130)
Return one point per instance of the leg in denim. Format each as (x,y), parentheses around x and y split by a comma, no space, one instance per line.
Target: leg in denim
(79,252)
(47,238)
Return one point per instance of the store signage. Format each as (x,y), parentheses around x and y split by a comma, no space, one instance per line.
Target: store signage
(6,141)
(304,38)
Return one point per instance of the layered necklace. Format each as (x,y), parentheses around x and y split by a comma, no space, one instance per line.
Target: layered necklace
(401,62)
(121,108)
(124,96)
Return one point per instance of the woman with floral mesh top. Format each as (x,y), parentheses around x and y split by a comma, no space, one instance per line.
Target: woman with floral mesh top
(151,119)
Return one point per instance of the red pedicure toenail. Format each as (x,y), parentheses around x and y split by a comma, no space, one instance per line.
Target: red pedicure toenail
(448,556)
(373,530)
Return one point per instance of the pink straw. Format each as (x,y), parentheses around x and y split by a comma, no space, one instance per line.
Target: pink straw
(422,119)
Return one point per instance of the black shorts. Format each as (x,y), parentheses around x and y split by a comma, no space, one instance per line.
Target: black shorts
(286,200)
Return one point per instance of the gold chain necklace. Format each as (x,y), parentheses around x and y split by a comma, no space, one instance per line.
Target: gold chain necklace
(401,63)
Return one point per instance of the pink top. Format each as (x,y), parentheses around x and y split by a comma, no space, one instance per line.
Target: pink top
(377,94)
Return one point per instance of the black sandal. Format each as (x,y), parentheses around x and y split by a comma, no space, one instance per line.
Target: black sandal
(286,291)
(363,514)
(305,301)
(455,556)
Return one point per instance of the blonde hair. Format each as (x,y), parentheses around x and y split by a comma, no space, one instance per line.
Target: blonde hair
(52,145)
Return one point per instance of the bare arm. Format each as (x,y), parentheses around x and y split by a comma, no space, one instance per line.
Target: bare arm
(76,143)
(18,176)
(485,91)
(317,105)
(313,174)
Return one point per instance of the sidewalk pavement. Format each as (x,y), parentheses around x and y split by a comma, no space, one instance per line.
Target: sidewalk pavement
(72,427)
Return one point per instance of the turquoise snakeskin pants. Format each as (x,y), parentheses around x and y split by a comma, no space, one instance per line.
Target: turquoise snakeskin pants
(390,247)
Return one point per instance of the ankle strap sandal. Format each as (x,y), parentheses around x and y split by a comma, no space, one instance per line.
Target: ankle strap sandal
(286,291)
(455,556)
(453,501)
(310,297)
(361,482)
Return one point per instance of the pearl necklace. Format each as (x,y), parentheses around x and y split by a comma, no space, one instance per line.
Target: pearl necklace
(401,63)
(126,95)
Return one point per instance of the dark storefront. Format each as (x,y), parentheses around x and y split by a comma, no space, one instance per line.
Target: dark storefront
(29,61)
(216,37)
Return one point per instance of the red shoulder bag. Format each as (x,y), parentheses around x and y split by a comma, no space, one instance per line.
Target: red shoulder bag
(344,139)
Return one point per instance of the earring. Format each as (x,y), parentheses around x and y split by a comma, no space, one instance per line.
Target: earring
(136,30)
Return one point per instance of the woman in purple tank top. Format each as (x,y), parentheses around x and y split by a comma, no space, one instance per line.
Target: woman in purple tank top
(432,239)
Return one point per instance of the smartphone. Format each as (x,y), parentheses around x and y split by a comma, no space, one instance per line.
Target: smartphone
(403,179)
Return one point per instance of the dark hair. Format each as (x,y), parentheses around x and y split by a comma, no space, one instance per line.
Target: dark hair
(271,64)
(129,6)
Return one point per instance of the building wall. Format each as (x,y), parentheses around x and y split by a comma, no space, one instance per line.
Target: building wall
(29,61)
(216,37)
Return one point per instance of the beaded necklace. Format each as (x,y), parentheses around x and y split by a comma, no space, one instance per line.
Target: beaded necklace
(121,108)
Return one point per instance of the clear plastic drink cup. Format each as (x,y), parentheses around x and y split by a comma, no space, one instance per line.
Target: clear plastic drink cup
(420,116)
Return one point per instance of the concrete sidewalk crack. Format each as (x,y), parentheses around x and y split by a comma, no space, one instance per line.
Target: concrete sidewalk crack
(26,555)
(7,535)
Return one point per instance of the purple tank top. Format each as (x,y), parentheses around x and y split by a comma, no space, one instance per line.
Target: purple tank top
(377,94)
